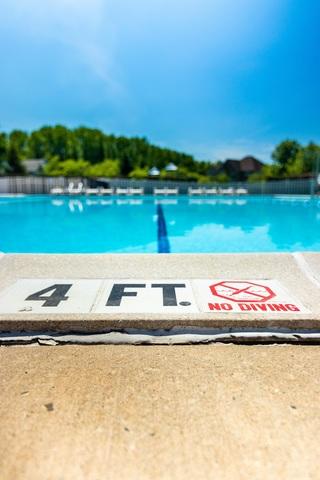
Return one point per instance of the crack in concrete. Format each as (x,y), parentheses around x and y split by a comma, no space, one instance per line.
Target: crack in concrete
(164,337)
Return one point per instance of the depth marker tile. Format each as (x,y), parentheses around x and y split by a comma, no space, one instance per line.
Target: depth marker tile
(49,296)
(147,296)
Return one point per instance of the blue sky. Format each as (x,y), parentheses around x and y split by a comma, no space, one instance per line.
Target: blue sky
(216,78)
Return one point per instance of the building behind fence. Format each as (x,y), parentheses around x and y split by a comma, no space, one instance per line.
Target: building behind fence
(41,185)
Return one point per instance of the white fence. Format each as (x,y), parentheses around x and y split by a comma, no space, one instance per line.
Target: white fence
(40,185)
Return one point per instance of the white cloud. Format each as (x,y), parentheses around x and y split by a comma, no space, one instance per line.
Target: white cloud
(78,25)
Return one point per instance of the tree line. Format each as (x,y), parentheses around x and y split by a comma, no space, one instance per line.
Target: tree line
(291,160)
(90,152)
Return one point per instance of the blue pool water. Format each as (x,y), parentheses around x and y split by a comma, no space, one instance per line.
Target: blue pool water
(47,224)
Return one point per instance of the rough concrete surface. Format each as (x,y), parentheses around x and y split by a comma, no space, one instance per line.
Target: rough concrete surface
(313,261)
(162,412)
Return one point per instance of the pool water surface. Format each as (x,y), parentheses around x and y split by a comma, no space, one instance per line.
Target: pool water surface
(49,224)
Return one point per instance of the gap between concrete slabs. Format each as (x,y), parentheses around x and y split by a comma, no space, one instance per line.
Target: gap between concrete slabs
(296,275)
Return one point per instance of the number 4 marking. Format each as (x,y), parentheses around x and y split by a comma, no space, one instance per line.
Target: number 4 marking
(58,295)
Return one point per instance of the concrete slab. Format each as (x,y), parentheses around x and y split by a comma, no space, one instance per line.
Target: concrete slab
(183,412)
(312,261)
(261,269)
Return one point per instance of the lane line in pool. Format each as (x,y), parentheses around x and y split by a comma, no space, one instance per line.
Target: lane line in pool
(163,241)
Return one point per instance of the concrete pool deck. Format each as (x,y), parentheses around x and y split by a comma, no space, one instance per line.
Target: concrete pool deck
(228,412)
(298,275)
(90,412)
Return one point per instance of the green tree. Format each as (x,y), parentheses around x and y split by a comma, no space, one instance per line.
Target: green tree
(139,173)
(19,139)
(94,146)
(54,141)
(297,167)
(14,164)
(107,168)
(66,168)
(221,178)
(38,145)
(308,157)
(181,174)
(204,179)
(304,161)
(268,172)
(285,153)
(91,144)
(3,153)
(126,165)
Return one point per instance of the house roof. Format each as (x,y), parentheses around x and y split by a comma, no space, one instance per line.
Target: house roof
(250,164)
(247,164)
(232,165)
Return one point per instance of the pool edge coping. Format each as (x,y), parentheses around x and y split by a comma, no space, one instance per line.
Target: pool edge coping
(38,266)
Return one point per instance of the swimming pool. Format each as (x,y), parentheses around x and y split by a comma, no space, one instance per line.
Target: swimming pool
(48,224)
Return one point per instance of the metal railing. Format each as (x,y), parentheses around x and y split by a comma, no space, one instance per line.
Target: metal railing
(42,185)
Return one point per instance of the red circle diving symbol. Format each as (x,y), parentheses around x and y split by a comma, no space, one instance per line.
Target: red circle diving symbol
(242,291)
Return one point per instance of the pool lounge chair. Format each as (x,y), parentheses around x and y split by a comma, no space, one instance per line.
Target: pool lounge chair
(71,190)
(165,191)
(56,191)
(122,191)
(210,191)
(136,191)
(195,191)
(172,191)
(241,191)
(159,191)
(227,191)
(106,191)
(91,191)
(69,187)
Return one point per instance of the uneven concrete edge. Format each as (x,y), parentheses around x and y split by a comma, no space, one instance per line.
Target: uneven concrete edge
(172,336)
(84,326)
